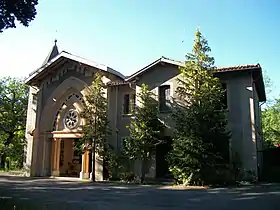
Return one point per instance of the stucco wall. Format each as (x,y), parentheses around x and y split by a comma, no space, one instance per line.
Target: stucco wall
(53,91)
(244,113)
(243,105)
(118,120)
(30,126)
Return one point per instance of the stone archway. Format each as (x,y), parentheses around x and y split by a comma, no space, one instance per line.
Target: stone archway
(67,129)
(51,129)
(66,99)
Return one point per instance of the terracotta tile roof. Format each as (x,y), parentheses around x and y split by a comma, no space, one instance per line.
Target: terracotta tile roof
(238,68)
(116,83)
(181,63)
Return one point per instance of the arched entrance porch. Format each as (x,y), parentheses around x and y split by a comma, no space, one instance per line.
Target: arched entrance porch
(66,161)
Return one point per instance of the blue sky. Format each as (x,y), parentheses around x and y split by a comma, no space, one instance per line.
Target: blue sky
(129,34)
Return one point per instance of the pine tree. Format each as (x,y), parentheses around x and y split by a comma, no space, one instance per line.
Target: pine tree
(201,140)
(96,128)
(145,131)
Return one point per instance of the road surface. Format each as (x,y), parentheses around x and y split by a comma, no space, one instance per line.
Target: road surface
(65,194)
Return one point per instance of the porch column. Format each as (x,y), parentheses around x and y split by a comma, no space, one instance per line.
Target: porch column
(56,157)
(98,168)
(84,174)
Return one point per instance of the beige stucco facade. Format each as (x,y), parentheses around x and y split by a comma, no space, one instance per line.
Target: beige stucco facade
(62,84)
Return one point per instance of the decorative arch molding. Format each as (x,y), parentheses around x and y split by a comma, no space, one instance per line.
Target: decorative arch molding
(71,90)
(73,101)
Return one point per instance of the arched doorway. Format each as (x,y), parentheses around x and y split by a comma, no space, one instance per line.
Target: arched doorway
(67,160)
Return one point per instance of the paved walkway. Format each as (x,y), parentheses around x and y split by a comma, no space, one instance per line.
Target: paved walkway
(64,194)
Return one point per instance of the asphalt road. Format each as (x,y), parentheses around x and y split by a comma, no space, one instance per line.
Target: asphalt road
(62,194)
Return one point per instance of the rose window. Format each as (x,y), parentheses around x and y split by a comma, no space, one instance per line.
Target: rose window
(71,119)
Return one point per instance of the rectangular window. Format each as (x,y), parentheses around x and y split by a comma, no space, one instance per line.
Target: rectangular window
(34,98)
(126,104)
(129,103)
(224,98)
(164,98)
(132,103)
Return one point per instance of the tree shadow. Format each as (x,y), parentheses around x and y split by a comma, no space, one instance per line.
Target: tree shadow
(51,194)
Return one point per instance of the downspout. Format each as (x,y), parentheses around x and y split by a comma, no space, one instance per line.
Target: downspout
(254,124)
(259,135)
(262,141)
(116,117)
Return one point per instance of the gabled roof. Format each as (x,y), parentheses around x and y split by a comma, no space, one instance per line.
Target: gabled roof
(180,63)
(161,59)
(255,68)
(67,55)
(239,67)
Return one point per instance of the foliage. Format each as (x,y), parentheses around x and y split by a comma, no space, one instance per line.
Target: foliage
(200,147)
(270,124)
(96,128)
(145,130)
(269,85)
(13,110)
(121,167)
(23,11)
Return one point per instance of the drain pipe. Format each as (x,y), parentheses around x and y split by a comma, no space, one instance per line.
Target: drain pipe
(259,133)
(116,117)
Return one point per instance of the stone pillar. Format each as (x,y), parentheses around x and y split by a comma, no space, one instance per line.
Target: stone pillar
(98,168)
(84,174)
(43,166)
(152,168)
(56,157)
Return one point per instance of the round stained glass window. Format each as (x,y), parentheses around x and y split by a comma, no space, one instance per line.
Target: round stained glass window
(71,119)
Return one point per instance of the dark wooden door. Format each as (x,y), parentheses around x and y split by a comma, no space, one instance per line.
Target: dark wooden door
(161,155)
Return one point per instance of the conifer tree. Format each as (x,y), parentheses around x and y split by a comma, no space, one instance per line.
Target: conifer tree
(201,141)
(145,131)
(96,128)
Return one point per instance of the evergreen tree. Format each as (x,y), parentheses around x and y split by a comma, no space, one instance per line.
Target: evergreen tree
(201,140)
(96,128)
(145,130)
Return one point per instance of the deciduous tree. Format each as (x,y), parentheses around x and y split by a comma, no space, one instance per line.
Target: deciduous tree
(13,109)
(271,125)
(96,128)
(145,131)
(23,11)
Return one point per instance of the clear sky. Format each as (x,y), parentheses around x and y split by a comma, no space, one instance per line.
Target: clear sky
(129,34)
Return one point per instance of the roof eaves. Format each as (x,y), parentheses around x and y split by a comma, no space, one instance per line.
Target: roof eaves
(42,68)
(145,68)
(75,58)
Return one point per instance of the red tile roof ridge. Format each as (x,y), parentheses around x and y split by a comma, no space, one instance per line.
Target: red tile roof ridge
(244,66)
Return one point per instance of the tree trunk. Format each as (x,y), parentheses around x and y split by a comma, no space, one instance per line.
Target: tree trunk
(143,171)
(93,161)
(2,161)
(9,164)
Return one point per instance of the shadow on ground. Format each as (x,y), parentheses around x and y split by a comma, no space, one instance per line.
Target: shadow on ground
(27,193)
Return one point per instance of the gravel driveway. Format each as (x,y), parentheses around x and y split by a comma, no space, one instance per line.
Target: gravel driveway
(65,194)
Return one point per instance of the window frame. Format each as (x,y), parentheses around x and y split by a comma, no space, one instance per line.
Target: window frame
(164,108)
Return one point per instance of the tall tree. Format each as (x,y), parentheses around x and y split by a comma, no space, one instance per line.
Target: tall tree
(96,128)
(13,109)
(270,124)
(201,140)
(145,130)
(23,11)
